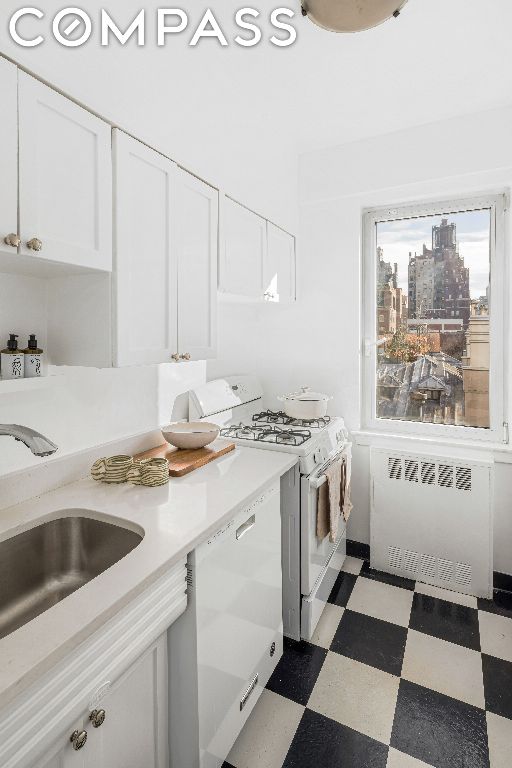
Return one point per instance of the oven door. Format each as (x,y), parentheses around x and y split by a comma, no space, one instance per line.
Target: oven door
(316,553)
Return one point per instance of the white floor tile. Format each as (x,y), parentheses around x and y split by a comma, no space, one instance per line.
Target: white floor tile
(327,625)
(499,731)
(398,759)
(495,635)
(361,697)
(352,565)
(446,594)
(267,734)
(382,601)
(444,667)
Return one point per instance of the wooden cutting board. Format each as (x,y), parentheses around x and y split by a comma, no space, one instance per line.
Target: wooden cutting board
(181,462)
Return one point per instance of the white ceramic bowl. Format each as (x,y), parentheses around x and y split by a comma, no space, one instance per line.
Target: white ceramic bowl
(191,435)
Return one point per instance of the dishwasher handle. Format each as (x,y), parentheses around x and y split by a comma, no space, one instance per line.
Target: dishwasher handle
(246,527)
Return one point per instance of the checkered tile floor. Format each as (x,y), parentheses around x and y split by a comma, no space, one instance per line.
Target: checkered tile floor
(400,675)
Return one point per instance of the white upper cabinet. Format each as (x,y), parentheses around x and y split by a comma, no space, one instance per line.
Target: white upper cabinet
(194,237)
(243,251)
(145,264)
(166,243)
(258,259)
(9,156)
(280,278)
(65,179)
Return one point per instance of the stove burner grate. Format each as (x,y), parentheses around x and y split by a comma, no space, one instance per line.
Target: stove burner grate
(279,417)
(267,434)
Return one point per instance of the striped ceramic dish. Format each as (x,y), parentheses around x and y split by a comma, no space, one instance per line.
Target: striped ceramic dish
(149,472)
(112,470)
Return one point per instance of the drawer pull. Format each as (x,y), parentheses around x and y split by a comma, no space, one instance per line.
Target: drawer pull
(246,527)
(245,697)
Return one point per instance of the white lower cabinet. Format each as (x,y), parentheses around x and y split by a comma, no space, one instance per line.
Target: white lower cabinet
(134,733)
(106,705)
(132,717)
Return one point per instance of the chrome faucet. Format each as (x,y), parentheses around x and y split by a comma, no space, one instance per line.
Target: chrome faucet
(38,444)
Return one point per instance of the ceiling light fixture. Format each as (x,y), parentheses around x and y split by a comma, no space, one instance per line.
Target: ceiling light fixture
(351,15)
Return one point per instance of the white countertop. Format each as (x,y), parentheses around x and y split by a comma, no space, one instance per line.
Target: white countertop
(175,518)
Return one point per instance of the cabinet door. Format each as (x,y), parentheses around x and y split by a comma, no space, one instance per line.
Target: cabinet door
(244,244)
(8,154)
(65,177)
(62,754)
(280,265)
(194,236)
(135,732)
(145,264)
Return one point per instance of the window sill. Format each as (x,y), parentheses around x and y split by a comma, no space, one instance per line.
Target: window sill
(499,452)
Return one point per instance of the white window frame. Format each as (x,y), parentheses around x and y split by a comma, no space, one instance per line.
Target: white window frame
(497,432)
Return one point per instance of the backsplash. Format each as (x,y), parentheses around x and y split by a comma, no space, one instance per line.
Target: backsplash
(81,408)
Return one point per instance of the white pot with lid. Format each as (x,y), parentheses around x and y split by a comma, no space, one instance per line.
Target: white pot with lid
(305,404)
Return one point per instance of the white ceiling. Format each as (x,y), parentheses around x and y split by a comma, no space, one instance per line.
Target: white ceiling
(440,58)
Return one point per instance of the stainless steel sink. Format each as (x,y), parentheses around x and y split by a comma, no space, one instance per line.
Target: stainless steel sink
(42,566)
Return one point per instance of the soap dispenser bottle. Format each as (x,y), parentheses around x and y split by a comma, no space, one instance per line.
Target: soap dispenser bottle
(12,360)
(33,359)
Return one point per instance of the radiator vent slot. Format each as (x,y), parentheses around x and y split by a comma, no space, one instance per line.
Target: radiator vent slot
(411,470)
(395,468)
(463,478)
(428,566)
(395,557)
(445,570)
(445,477)
(463,574)
(428,473)
(410,560)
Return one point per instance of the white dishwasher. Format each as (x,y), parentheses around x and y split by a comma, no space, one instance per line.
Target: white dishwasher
(226,645)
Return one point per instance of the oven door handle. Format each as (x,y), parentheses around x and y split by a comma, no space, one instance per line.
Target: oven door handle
(316,481)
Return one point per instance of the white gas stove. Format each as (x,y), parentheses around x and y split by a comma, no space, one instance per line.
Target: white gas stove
(236,404)
(310,566)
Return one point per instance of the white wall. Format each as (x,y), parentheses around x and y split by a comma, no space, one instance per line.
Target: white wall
(456,157)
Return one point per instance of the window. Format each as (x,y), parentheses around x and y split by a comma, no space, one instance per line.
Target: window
(424,372)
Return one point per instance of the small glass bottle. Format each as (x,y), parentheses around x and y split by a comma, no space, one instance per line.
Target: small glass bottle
(12,360)
(33,359)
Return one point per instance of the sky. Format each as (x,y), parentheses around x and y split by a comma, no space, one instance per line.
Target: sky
(399,237)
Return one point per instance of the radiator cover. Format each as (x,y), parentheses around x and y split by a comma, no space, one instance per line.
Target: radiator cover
(431,519)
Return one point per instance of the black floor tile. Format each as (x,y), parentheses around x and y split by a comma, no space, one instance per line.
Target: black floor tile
(342,589)
(323,743)
(371,641)
(441,731)
(497,685)
(500,604)
(357,549)
(387,578)
(227,765)
(502,581)
(448,621)
(297,672)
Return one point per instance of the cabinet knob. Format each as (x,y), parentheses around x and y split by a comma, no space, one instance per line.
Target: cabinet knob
(97,717)
(35,244)
(186,356)
(78,739)
(13,240)
(175,357)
